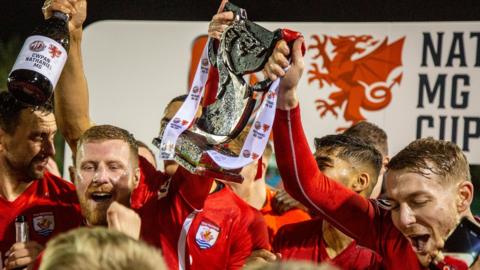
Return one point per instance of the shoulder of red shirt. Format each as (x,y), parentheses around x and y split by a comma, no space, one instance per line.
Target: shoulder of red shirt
(292,230)
(56,186)
(148,185)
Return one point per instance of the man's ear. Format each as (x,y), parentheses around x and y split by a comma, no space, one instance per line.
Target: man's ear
(385,160)
(362,182)
(464,196)
(71,173)
(264,164)
(136,178)
(75,177)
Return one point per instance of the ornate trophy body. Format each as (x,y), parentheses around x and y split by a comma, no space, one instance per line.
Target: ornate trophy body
(244,48)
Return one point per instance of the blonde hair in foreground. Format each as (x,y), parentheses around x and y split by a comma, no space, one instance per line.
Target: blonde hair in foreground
(99,249)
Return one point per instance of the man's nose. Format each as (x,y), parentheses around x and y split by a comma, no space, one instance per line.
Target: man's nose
(101,176)
(48,148)
(407,216)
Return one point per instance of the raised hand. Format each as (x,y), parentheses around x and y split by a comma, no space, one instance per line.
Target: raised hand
(282,202)
(261,257)
(22,254)
(220,22)
(124,220)
(278,61)
(75,9)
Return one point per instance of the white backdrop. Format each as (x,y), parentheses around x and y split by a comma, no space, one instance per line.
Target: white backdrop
(134,68)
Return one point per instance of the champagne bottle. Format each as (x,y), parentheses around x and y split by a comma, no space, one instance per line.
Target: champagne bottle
(21,229)
(40,61)
(21,234)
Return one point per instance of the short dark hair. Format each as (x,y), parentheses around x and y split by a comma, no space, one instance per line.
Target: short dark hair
(371,134)
(427,155)
(353,150)
(108,132)
(142,144)
(181,98)
(10,109)
(166,118)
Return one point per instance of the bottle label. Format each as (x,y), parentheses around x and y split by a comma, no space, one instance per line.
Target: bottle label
(43,55)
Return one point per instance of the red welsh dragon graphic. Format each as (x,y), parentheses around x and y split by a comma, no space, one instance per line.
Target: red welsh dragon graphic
(362,82)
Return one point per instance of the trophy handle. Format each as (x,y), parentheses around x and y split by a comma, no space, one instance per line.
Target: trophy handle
(240,13)
(287,35)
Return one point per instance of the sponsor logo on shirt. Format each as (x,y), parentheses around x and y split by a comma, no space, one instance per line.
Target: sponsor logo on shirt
(44,223)
(206,235)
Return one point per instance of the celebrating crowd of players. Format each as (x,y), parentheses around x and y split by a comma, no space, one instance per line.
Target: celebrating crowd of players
(333,215)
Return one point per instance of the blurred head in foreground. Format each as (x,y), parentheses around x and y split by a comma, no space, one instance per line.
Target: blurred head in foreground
(98,248)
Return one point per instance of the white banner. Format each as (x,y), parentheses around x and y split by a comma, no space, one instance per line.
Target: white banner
(186,114)
(257,137)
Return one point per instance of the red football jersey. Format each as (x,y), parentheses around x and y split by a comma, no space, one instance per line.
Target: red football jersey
(50,206)
(304,241)
(148,187)
(167,216)
(224,234)
(362,219)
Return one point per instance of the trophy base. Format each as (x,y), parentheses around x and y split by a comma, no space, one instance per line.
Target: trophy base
(191,154)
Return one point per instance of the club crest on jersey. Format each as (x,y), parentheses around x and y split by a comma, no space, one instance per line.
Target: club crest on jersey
(44,223)
(207,235)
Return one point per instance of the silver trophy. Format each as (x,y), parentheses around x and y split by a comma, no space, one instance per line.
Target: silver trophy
(244,48)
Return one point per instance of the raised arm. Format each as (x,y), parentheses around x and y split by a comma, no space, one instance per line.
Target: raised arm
(348,211)
(71,93)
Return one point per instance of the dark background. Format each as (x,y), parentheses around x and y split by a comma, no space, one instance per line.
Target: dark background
(18,18)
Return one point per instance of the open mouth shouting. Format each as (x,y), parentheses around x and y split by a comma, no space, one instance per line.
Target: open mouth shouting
(101,197)
(419,242)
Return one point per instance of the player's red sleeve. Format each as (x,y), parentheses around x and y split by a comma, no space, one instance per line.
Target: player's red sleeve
(253,235)
(240,250)
(278,240)
(148,185)
(348,211)
(258,231)
(192,188)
